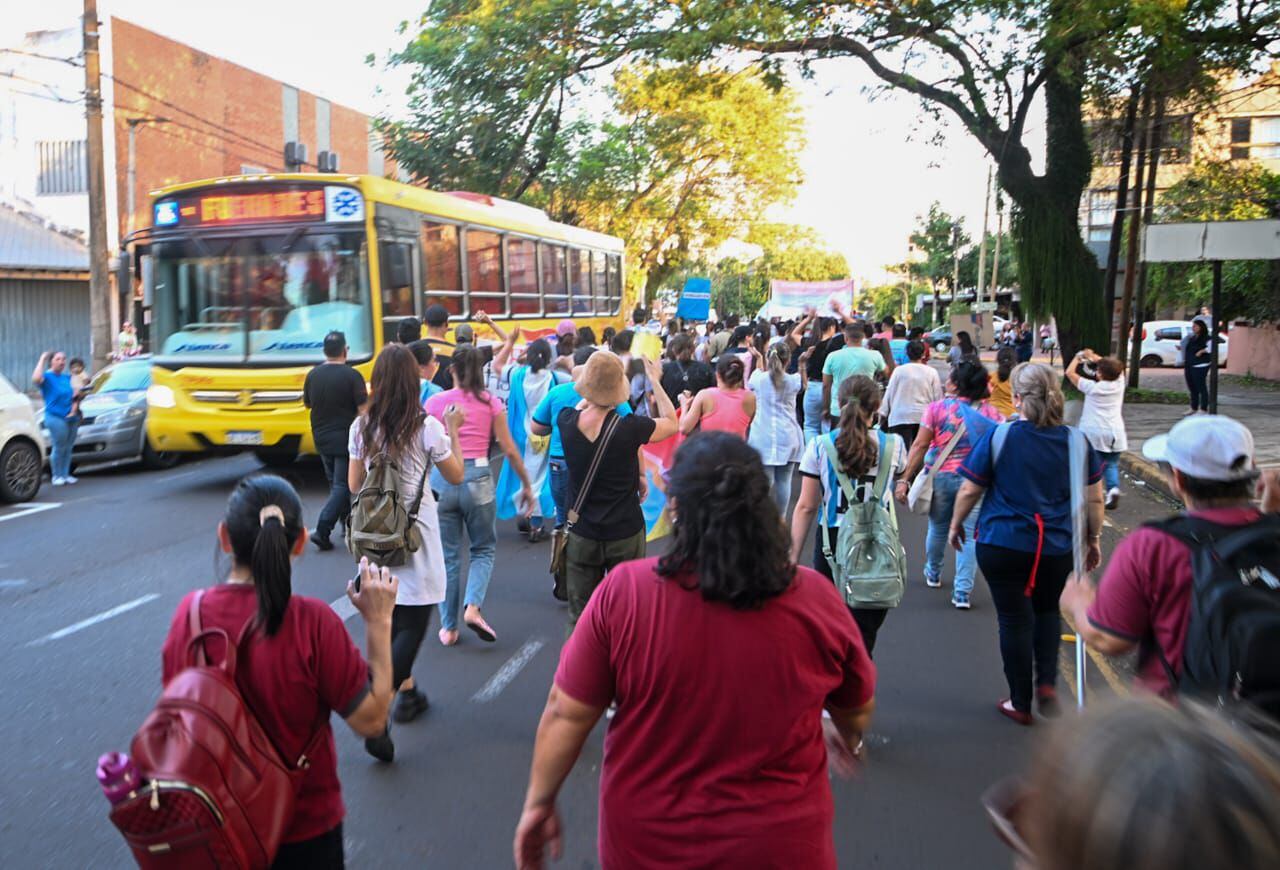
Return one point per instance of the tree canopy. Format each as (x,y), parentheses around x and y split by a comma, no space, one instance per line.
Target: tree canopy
(500,72)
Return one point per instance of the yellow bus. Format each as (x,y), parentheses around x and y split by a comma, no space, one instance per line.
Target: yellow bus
(244,276)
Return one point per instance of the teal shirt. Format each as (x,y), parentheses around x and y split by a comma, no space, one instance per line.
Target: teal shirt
(844,364)
(548,412)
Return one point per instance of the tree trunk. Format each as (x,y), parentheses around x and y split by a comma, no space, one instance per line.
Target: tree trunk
(1131,255)
(1117,222)
(1148,212)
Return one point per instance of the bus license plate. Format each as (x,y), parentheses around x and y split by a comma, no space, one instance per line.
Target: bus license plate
(244,436)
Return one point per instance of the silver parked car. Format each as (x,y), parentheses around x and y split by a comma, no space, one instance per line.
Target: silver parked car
(114,428)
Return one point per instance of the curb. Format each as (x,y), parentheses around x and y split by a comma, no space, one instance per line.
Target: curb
(1148,472)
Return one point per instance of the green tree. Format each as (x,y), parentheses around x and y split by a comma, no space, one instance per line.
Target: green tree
(1221,191)
(681,156)
(938,236)
(1007,274)
(985,63)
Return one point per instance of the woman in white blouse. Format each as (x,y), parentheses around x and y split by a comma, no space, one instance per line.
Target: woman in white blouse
(1102,420)
(775,433)
(912,388)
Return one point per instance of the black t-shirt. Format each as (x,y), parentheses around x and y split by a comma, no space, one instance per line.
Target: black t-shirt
(821,350)
(334,393)
(443,348)
(679,376)
(612,509)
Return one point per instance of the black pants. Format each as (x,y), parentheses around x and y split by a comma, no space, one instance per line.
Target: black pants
(869,620)
(908,432)
(1198,386)
(338,505)
(408,627)
(1030,627)
(319,853)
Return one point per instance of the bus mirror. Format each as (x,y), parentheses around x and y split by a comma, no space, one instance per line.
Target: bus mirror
(395,267)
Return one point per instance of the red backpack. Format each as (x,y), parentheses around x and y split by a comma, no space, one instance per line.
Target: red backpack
(217,791)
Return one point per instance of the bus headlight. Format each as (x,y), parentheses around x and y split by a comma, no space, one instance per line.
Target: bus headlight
(160,396)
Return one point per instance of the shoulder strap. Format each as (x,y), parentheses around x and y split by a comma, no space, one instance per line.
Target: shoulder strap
(602,442)
(882,471)
(850,491)
(997,440)
(950,446)
(422,486)
(193,623)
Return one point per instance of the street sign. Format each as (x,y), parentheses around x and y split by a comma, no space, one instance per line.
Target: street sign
(980,307)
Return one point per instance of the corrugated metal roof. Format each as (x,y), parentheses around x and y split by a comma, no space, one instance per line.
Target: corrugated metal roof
(28,242)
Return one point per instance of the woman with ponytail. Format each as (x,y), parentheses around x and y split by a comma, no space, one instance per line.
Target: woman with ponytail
(727,407)
(296,662)
(394,425)
(530,384)
(469,506)
(1024,538)
(858,447)
(721,657)
(775,432)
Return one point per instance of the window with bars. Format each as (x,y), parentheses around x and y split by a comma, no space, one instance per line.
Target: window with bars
(62,167)
(1257,137)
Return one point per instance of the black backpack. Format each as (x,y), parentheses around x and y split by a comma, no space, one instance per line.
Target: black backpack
(1232,651)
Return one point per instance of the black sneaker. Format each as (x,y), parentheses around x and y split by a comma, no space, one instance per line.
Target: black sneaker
(560,589)
(322,542)
(410,705)
(381,747)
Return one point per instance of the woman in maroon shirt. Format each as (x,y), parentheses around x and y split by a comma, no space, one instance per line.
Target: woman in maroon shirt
(720,657)
(299,662)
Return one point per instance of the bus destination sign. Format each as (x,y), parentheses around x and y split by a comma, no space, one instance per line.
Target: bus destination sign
(222,207)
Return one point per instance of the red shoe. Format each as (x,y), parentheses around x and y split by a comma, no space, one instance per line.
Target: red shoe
(1006,708)
(1047,701)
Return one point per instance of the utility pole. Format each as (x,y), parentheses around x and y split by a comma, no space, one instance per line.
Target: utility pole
(981,290)
(99,283)
(995,261)
(955,270)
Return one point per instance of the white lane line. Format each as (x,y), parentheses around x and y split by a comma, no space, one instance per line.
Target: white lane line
(12,584)
(94,620)
(343,607)
(31,509)
(508,672)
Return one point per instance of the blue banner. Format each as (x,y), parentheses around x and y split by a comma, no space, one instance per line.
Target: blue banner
(695,299)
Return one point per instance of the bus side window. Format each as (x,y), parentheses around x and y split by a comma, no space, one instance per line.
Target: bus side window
(395,269)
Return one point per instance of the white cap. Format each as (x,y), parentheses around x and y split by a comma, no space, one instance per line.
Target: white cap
(1208,446)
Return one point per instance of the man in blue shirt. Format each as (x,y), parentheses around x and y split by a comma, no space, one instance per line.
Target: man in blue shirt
(55,386)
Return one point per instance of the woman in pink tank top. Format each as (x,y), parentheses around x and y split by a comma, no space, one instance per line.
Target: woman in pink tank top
(727,407)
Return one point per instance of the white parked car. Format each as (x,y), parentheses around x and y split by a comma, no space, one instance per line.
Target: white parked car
(22,447)
(1161,340)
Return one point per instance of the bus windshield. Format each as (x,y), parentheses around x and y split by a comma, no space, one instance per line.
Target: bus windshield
(260,298)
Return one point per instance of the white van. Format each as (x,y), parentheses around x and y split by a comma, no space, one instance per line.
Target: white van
(22,447)
(1162,338)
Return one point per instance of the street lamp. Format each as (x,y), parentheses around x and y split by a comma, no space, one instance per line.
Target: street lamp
(132,175)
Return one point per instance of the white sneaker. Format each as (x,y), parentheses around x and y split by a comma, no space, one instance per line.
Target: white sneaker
(70,479)
(1113,497)
(59,481)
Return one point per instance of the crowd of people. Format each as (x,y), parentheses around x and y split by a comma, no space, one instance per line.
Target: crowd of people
(871,428)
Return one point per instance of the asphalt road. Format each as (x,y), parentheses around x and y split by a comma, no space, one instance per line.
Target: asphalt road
(90,576)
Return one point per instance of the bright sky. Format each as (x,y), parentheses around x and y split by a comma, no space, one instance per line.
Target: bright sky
(869,167)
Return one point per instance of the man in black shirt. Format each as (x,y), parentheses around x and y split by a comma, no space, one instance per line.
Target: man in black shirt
(683,373)
(336,395)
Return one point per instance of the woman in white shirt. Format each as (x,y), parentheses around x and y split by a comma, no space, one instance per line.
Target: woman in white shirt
(775,433)
(395,424)
(912,388)
(1102,420)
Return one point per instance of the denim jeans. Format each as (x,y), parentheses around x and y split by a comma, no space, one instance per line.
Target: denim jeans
(62,434)
(1198,386)
(945,487)
(1110,470)
(780,485)
(814,420)
(1030,630)
(560,489)
(338,505)
(471,506)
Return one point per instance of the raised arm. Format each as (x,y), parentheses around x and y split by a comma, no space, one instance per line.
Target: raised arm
(666,423)
(692,413)
(375,600)
(37,375)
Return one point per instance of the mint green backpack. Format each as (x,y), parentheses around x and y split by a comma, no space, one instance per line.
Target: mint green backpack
(868,561)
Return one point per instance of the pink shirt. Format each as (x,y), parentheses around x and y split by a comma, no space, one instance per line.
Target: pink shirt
(726,414)
(477,428)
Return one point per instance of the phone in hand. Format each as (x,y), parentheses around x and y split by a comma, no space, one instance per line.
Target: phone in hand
(355,582)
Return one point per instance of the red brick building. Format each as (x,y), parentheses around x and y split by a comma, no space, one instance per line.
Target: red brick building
(219,118)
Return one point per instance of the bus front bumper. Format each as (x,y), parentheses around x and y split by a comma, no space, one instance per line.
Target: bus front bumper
(188,429)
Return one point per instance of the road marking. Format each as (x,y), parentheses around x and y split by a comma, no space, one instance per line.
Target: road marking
(12,584)
(31,509)
(343,607)
(94,620)
(508,672)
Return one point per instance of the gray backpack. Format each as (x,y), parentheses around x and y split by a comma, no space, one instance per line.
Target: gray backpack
(380,527)
(868,561)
